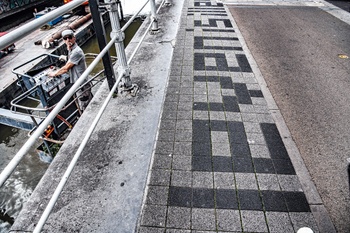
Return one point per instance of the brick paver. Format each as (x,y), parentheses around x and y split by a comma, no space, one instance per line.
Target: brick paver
(220,164)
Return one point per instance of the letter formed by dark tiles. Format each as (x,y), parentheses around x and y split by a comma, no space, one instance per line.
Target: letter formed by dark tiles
(249,200)
(199,43)
(226,199)
(274,141)
(242,93)
(221,63)
(180,196)
(230,103)
(199,3)
(213,22)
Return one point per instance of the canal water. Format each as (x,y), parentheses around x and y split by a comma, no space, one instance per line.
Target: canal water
(22,182)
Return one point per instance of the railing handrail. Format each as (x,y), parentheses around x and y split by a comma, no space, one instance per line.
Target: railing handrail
(40,129)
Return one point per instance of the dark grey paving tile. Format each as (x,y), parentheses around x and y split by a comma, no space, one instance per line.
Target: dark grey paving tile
(249,200)
(203,198)
(242,164)
(242,93)
(226,82)
(256,93)
(296,202)
(230,103)
(240,150)
(222,164)
(160,177)
(162,161)
(216,125)
(216,107)
(226,199)
(263,165)
(283,166)
(201,148)
(274,201)
(243,63)
(236,132)
(180,196)
(274,141)
(201,163)
(201,106)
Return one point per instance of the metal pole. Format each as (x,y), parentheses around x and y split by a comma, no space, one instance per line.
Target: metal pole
(26,29)
(123,67)
(154,16)
(102,41)
(167,2)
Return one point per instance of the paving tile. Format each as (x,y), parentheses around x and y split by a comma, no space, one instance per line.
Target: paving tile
(181,178)
(203,198)
(202,179)
(228,220)
(283,166)
(268,182)
(253,221)
(153,215)
(219,137)
(183,135)
(145,229)
(226,199)
(182,162)
(279,222)
(274,201)
(178,217)
(160,177)
(183,148)
(180,196)
(249,200)
(203,219)
(162,161)
(243,164)
(296,202)
(263,165)
(177,231)
(216,115)
(246,181)
(300,220)
(259,151)
(202,163)
(157,195)
(224,180)
(289,183)
(222,164)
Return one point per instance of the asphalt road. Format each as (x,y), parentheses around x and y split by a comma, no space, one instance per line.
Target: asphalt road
(298,53)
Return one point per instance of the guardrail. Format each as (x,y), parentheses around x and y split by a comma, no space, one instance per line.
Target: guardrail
(123,73)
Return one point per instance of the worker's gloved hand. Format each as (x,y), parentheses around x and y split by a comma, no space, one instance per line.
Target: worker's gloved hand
(63,58)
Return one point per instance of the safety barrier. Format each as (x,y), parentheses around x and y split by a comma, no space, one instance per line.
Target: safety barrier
(123,75)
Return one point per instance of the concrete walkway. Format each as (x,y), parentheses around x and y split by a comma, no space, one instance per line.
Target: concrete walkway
(220,163)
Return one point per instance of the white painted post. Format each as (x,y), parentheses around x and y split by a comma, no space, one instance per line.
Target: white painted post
(154,16)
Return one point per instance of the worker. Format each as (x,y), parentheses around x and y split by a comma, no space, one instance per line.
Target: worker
(75,65)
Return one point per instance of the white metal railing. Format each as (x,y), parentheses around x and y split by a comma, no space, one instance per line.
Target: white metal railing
(25,30)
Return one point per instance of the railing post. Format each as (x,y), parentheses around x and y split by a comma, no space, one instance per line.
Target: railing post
(167,2)
(154,16)
(123,67)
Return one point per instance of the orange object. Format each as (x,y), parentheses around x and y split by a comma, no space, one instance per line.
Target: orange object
(84,4)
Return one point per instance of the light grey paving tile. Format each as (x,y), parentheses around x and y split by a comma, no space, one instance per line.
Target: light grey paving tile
(279,222)
(233,116)
(153,215)
(181,178)
(289,183)
(183,148)
(258,101)
(179,217)
(200,96)
(203,219)
(157,195)
(268,182)
(253,221)
(221,149)
(215,115)
(228,92)
(253,86)
(228,220)
(214,98)
(224,180)
(177,231)
(301,219)
(246,181)
(256,138)
(182,162)
(265,118)
(202,179)
(261,109)
(250,117)
(252,127)
(259,151)
(219,136)
(246,108)
(184,124)
(186,98)
(160,177)
(145,229)
(183,135)
(201,115)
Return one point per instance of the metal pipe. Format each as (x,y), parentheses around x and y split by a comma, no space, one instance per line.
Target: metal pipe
(154,16)
(72,164)
(22,31)
(25,148)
